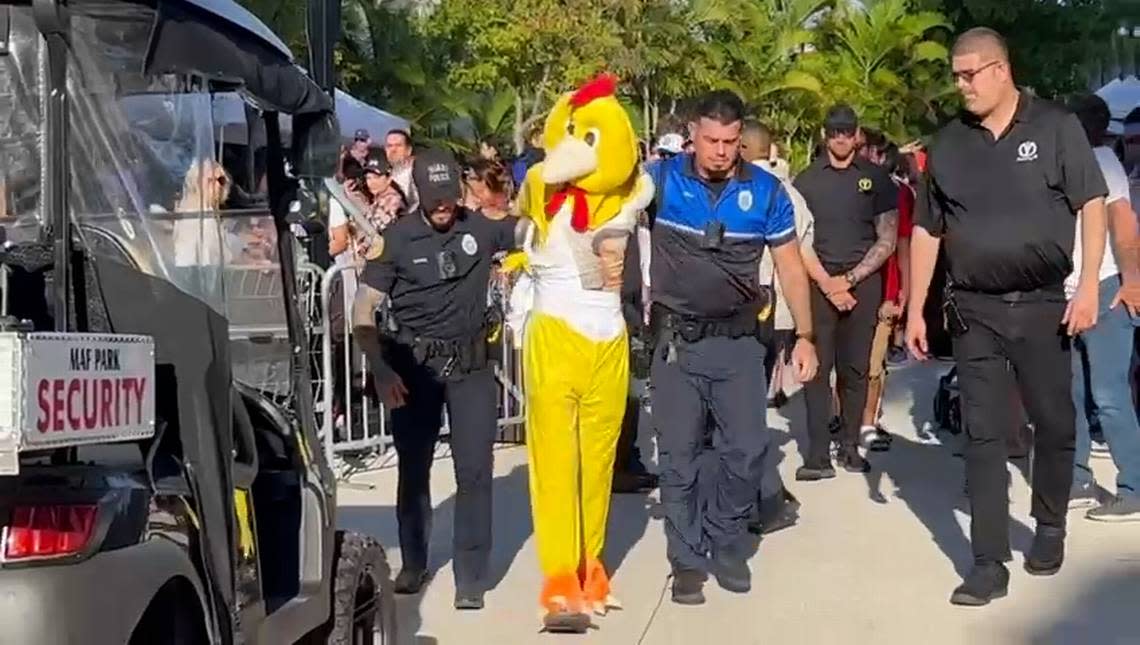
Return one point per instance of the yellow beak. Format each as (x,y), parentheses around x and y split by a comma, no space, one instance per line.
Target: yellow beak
(571,159)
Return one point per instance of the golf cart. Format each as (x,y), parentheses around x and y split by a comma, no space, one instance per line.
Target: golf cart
(161,477)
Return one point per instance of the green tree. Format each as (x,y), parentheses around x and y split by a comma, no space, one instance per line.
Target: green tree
(880,59)
(1052,44)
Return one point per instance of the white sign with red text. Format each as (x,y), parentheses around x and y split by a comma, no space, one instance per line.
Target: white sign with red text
(60,390)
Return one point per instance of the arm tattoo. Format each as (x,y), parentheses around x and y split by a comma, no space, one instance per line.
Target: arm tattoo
(887,228)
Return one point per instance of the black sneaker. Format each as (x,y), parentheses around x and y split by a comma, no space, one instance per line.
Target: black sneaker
(410,581)
(732,573)
(852,462)
(1122,508)
(688,587)
(807,473)
(1048,551)
(986,582)
(468,600)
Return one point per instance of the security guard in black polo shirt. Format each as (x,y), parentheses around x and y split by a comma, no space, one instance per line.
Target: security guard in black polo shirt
(713,218)
(1005,181)
(435,269)
(855,206)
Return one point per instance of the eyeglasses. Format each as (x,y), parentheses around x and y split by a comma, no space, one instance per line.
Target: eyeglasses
(843,131)
(967,75)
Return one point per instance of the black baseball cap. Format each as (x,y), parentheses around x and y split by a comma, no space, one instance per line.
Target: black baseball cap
(437,177)
(841,118)
(361,135)
(377,166)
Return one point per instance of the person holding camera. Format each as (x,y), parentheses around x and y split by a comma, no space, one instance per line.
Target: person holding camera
(433,271)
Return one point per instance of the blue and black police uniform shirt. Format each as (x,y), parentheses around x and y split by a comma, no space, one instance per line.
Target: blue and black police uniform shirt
(1005,207)
(409,271)
(698,282)
(845,203)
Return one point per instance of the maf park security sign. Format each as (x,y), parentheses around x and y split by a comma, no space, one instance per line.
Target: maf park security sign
(59,390)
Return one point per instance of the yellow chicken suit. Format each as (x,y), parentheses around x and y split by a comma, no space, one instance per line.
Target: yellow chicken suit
(584,200)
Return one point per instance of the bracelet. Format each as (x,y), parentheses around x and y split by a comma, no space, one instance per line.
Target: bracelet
(806,335)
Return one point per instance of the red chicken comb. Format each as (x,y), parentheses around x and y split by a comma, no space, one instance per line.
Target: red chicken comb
(599,87)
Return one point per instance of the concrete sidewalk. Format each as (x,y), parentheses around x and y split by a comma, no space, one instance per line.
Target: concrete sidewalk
(873,559)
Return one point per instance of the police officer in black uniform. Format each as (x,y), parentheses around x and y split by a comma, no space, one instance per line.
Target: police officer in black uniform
(714,217)
(1004,182)
(434,271)
(855,205)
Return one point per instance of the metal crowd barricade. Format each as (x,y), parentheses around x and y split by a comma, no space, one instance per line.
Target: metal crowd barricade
(357,435)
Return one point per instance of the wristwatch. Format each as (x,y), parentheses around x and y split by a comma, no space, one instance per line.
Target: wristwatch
(850,276)
(806,335)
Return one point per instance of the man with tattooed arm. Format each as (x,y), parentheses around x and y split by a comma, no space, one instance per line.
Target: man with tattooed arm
(855,205)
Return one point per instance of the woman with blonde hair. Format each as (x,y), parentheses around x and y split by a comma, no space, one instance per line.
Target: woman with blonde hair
(199,240)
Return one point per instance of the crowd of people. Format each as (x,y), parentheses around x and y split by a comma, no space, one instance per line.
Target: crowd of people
(992,235)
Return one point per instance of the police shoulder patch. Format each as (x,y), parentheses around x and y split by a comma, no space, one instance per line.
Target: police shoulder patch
(744,199)
(469,245)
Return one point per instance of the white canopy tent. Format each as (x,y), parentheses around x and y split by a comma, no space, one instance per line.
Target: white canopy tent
(230,119)
(1122,96)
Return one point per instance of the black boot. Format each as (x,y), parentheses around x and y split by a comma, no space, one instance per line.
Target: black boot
(410,581)
(986,581)
(688,587)
(469,600)
(1048,551)
(732,573)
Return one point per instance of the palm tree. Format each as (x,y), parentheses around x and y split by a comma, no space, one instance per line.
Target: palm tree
(879,59)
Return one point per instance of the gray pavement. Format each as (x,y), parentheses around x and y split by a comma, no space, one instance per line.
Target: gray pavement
(873,559)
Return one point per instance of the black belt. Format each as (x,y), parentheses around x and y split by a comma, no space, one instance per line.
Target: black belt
(692,329)
(446,357)
(1050,293)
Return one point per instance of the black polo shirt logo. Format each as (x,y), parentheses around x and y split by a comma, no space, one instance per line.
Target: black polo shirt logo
(1027,151)
(865,184)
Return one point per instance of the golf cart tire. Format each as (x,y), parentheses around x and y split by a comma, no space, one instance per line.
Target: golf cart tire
(361,574)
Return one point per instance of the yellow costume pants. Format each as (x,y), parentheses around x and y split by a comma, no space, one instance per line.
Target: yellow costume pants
(576,394)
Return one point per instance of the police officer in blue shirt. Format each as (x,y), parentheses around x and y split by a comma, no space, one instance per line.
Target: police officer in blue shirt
(714,216)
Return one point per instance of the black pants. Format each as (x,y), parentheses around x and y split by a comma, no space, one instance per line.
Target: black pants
(843,341)
(1028,335)
(627,459)
(707,509)
(471,409)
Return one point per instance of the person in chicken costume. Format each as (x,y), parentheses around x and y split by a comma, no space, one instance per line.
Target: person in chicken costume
(584,200)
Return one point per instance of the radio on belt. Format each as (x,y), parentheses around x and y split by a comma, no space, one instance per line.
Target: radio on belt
(60,390)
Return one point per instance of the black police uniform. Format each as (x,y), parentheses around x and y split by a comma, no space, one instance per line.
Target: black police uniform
(437,286)
(1005,210)
(845,203)
(708,238)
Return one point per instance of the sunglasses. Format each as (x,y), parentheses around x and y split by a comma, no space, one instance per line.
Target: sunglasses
(967,75)
(840,132)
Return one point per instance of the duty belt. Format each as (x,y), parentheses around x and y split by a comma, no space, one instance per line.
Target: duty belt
(691,329)
(446,356)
